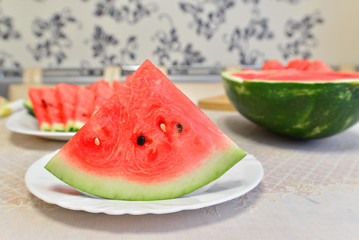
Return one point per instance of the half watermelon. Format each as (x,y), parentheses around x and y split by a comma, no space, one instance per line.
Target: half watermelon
(148,142)
(311,103)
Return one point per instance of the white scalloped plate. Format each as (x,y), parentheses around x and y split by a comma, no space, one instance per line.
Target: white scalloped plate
(23,123)
(240,179)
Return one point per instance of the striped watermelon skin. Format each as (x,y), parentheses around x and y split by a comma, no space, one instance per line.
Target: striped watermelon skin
(296,109)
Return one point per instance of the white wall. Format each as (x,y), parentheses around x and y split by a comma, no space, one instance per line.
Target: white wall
(336,37)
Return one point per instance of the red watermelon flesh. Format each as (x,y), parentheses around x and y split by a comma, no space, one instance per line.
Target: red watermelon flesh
(102,91)
(66,94)
(116,85)
(291,75)
(49,98)
(272,64)
(318,66)
(83,106)
(299,64)
(39,106)
(147,142)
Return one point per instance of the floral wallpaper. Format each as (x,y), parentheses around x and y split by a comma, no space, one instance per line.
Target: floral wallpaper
(95,33)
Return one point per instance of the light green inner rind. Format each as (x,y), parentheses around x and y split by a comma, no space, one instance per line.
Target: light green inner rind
(296,109)
(57,127)
(69,126)
(45,127)
(117,188)
(77,125)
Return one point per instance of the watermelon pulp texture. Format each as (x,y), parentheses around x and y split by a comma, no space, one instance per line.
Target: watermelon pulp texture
(40,108)
(66,93)
(295,103)
(70,105)
(148,142)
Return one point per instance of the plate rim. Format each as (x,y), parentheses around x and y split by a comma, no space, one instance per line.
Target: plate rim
(43,160)
(34,132)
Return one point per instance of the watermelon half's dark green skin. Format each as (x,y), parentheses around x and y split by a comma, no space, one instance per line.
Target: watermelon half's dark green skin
(147,142)
(298,105)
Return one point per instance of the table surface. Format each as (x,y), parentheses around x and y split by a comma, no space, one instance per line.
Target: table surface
(310,190)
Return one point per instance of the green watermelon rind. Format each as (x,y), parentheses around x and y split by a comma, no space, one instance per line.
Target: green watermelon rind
(296,109)
(77,125)
(58,127)
(45,127)
(118,188)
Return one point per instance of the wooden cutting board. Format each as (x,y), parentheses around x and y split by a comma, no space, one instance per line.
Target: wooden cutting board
(216,103)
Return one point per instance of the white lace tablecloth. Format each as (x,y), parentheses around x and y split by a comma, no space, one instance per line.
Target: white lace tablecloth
(310,190)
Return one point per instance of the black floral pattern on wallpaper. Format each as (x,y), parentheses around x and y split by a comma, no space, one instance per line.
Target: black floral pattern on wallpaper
(7,33)
(131,12)
(170,51)
(240,39)
(256,2)
(301,38)
(101,42)
(52,38)
(207,15)
(106,47)
(7,60)
(129,51)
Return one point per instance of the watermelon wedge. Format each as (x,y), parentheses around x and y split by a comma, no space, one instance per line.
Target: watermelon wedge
(66,93)
(148,142)
(52,106)
(84,106)
(296,103)
(102,91)
(116,85)
(40,108)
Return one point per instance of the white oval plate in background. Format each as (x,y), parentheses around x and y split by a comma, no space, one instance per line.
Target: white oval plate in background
(240,179)
(22,122)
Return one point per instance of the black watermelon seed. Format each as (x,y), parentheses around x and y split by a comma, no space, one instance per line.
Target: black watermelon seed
(179,127)
(141,140)
(44,103)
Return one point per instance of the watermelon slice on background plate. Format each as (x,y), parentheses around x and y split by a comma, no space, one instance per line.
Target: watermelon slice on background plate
(102,91)
(35,95)
(52,105)
(84,106)
(66,93)
(148,142)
